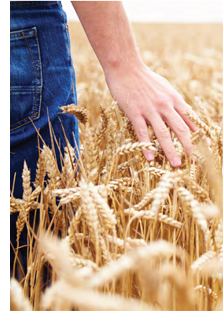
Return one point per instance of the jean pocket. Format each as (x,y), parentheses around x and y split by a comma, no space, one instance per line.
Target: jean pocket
(25,77)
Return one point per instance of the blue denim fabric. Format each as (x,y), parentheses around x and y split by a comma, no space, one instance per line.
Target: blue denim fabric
(42,79)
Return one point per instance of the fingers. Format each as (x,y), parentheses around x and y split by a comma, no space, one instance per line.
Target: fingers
(164,138)
(142,133)
(190,124)
(181,107)
(180,124)
(179,127)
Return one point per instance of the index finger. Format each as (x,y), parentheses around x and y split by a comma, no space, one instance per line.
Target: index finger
(164,138)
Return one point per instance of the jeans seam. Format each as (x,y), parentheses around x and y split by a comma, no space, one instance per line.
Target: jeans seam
(21,37)
(22,88)
(35,69)
(41,77)
(68,44)
(35,112)
(62,13)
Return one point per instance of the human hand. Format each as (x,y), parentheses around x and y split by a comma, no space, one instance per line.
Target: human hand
(148,98)
(151,98)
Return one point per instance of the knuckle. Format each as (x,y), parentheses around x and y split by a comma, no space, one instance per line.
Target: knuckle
(183,129)
(164,103)
(142,132)
(177,97)
(163,132)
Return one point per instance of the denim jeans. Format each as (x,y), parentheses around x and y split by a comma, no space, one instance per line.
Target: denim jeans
(42,79)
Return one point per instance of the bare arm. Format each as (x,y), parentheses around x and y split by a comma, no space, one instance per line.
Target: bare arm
(151,98)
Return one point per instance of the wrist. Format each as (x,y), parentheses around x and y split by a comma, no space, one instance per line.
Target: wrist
(121,65)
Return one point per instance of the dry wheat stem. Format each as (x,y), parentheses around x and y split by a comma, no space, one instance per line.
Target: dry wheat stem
(62,293)
(150,216)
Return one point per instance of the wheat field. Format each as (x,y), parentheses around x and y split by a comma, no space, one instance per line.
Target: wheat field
(117,232)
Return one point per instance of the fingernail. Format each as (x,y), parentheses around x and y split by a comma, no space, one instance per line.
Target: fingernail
(149,157)
(208,141)
(176,162)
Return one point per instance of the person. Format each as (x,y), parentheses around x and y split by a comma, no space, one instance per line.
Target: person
(42,79)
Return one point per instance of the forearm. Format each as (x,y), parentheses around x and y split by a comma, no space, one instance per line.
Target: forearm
(146,97)
(109,33)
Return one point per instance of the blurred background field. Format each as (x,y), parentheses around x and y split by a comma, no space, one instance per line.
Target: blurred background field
(188,55)
(166,11)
